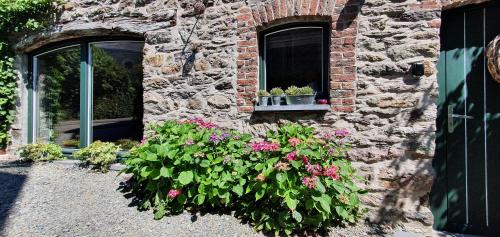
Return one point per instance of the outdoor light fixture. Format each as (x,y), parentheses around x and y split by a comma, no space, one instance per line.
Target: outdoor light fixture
(417,69)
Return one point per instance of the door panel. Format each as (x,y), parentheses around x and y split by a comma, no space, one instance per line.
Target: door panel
(492,29)
(467,160)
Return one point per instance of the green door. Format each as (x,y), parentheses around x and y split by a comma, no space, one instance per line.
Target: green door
(466,193)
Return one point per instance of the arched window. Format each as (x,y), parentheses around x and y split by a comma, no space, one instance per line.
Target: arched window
(295,55)
(87,91)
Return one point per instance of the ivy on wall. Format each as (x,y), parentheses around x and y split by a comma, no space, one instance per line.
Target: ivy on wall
(17,17)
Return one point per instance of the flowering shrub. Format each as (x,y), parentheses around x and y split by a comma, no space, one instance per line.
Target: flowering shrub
(189,163)
(304,183)
(40,152)
(293,179)
(100,154)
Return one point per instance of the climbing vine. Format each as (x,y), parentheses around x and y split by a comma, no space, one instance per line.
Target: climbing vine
(17,17)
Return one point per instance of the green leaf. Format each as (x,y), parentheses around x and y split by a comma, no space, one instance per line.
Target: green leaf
(238,189)
(181,199)
(151,157)
(297,216)
(320,187)
(291,202)
(185,177)
(259,194)
(205,163)
(325,201)
(166,172)
(309,204)
(200,199)
(342,212)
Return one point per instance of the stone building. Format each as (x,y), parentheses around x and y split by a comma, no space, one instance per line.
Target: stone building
(376,66)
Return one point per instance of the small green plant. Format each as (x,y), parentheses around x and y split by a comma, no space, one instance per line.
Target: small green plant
(292,91)
(71,143)
(263,93)
(100,154)
(127,144)
(41,152)
(306,90)
(277,91)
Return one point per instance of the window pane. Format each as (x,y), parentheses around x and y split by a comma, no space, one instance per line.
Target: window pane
(294,57)
(58,77)
(117,91)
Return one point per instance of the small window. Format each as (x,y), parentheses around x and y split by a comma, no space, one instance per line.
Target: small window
(295,55)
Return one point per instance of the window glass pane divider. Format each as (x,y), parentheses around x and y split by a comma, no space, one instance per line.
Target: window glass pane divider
(84,95)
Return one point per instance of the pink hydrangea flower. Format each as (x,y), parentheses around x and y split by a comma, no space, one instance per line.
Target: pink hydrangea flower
(305,160)
(331,172)
(294,141)
(200,122)
(264,146)
(310,182)
(314,170)
(291,156)
(173,193)
(342,132)
(143,140)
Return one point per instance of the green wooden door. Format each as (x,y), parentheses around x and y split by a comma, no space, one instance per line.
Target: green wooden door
(466,193)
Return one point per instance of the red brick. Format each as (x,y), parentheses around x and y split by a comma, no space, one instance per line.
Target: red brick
(305,7)
(345,109)
(349,70)
(269,12)
(276,9)
(263,15)
(335,85)
(247,56)
(335,101)
(313,8)
(243,17)
(348,85)
(245,10)
(336,70)
(283,9)
(349,40)
(349,54)
(246,82)
(244,43)
(256,16)
(245,109)
(348,101)
(343,78)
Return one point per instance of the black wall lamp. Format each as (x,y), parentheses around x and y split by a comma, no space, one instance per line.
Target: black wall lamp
(417,69)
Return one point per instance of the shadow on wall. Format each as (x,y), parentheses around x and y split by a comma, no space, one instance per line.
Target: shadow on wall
(12,178)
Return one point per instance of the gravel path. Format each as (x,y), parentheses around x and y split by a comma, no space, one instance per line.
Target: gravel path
(54,199)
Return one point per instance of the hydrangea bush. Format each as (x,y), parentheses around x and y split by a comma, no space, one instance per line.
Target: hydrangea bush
(292,179)
(301,181)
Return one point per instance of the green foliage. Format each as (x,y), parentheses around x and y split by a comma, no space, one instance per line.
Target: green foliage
(40,152)
(100,154)
(306,184)
(294,91)
(293,180)
(188,165)
(277,91)
(263,93)
(306,90)
(126,144)
(16,16)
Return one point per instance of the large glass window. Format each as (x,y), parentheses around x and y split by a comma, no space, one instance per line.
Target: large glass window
(295,55)
(58,100)
(117,98)
(86,92)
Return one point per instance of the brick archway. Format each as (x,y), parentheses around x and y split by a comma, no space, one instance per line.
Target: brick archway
(341,14)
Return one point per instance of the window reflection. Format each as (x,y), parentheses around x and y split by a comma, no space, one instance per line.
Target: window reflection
(117,92)
(58,80)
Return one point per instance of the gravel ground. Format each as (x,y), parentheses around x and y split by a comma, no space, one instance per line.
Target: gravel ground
(55,199)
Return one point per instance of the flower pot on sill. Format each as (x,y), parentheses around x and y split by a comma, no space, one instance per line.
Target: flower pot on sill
(263,100)
(276,100)
(300,99)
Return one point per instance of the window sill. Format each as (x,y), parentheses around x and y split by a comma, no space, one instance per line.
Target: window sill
(313,107)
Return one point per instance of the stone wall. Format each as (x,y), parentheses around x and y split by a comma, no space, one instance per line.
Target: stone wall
(193,66)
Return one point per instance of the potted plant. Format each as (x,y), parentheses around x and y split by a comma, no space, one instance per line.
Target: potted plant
(263,97)
(299,96)
(276,94)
